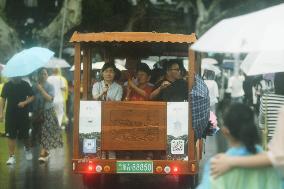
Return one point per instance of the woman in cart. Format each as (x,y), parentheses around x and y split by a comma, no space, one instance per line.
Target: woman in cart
(142,90)
(108,89)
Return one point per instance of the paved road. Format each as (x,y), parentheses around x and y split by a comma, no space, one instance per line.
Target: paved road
(57,174)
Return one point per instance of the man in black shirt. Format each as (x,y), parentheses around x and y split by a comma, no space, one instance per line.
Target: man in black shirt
(173,88)
(18,95)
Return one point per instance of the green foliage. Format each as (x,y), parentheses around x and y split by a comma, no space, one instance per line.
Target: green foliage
(105,15)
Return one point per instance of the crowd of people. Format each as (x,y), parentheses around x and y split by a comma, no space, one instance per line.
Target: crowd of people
(44,97)
(170,87)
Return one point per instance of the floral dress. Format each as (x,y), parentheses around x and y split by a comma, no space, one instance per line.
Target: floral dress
(50,136)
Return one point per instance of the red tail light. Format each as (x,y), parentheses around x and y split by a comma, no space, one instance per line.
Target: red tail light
(175,169)
(90,167)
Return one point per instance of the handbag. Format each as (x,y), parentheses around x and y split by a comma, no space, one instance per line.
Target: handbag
(38,118)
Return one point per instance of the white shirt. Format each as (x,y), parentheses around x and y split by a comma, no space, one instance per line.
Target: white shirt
(58,85)
(235,86)
(114,92)
(213,91)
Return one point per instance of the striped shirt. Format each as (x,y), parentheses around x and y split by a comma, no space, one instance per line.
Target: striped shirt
(270,104)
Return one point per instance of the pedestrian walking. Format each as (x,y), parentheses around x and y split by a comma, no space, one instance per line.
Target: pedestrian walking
(18,94)
(212,86)
(59,87)
(50,132)
(235,87)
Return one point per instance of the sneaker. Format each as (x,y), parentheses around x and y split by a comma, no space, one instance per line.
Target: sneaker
(28,154)
(11,160)
(43,159)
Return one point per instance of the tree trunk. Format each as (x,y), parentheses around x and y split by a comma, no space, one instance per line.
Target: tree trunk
(9,40)
(137,14)
(2,5)
(205,17)
(50,36)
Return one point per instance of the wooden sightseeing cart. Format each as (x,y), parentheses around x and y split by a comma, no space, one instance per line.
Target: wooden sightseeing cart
(128,125)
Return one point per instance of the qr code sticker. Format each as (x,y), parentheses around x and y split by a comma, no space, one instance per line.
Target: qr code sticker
(89,146)
(177,147)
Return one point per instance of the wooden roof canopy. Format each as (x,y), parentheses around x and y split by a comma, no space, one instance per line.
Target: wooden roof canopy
(132,37)
(139,43)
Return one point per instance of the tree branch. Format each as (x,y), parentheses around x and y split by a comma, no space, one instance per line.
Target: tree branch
(50,35)
(137,14)
(9,40)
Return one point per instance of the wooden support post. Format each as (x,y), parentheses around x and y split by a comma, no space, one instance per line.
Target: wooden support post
(77,85)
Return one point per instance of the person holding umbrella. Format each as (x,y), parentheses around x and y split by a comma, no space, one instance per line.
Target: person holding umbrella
(18,95)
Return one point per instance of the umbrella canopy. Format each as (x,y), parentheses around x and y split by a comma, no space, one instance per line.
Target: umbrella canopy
(57,63)
(207,66)
(99,66)
(259,31)
(150,63)
(209,61)
(1,67)
(263,62)
(27,61)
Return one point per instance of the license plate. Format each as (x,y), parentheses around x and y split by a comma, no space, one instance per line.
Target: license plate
(134,167)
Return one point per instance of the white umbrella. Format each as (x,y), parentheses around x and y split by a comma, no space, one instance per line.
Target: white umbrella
(263,62)
(208,66)
(73,67)
(259,31)
(57,63)
(69,50)
(150,63)
(209,61)
(99,65)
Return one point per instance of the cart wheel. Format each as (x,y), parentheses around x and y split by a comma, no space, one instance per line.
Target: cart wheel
(92,181)
(188,181)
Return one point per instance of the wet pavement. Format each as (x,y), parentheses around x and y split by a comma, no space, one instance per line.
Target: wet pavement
(57,173)
(31,174)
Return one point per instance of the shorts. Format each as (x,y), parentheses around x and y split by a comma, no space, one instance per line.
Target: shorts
(17,128)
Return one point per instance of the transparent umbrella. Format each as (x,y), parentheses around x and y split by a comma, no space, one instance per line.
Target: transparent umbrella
(258,31)
(99,66)
(57,63)
(263,62)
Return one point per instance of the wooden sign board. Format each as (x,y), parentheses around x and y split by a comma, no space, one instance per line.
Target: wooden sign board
(134,126)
